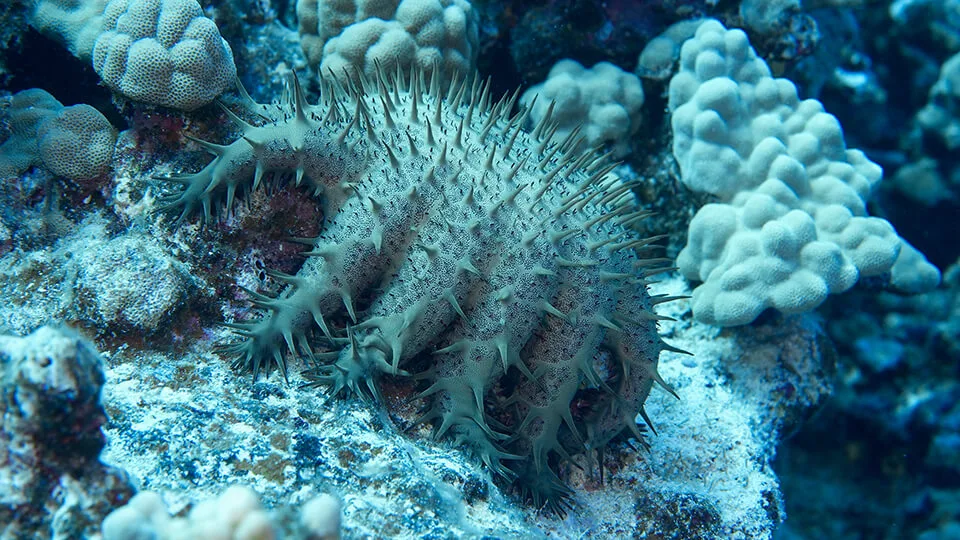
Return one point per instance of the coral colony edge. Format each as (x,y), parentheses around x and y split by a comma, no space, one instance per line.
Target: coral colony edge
(454,252)
(326,269)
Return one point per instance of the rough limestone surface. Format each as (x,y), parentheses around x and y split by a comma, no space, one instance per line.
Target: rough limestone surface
(604,101)
(189,428)
(491,264)
(163,52)
(73,142)
(358,34)
(128,282)
(51,482)
(791,224)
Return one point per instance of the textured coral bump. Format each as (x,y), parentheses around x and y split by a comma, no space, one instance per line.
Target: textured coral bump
(495,266)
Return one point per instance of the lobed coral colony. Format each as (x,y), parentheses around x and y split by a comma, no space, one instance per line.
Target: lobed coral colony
(497,267)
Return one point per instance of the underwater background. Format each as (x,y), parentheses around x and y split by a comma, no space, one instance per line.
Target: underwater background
(810,325)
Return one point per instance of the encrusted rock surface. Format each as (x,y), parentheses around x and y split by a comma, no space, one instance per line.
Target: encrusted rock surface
(51,482)
(191,427)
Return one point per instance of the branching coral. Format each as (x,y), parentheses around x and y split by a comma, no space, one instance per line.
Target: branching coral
(495,266)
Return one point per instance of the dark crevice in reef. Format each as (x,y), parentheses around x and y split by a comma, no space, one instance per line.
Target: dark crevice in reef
(939,243)
(40,62)
(851,478)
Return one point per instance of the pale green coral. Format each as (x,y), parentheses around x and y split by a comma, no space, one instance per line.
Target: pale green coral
(358,34)
(790,226)
(161,52)
(604,102)
(74,142)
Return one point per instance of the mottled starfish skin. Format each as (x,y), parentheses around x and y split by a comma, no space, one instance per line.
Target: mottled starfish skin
(503,256)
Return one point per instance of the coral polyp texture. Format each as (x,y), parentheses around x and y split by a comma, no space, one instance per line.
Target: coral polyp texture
(163,52)
(791,224)
(494,266)
(74,142)
(358,34)
(604,101)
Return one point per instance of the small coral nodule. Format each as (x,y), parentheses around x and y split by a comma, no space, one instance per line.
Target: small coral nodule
(496,267)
